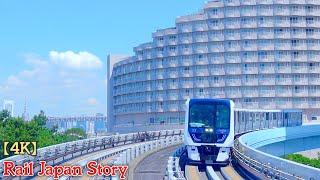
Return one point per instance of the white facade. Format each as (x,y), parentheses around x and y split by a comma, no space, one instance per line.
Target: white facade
(260,53)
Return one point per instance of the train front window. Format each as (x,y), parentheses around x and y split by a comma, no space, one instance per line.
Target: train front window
(215,116)
(209,122)
(202,115)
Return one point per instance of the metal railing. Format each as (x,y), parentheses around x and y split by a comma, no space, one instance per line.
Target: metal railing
(61,153)
(173,170)
(256,168)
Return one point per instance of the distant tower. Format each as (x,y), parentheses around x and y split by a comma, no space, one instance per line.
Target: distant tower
(9,106)
(25,115)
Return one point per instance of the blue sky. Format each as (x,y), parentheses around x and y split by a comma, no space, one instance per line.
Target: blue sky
(54,52)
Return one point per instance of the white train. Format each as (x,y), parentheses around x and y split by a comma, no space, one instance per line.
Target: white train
(211,125)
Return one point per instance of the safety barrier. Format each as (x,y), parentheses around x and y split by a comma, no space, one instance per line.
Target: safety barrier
(262,164)
(60,153)
(173,171)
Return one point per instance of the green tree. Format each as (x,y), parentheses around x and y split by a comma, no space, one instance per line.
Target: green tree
(40,119)
(4,114)
(76,132)
(14,129)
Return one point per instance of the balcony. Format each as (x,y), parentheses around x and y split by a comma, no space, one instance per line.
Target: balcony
(267,70)
(186,62)
(186,74)
(301,81)
(216,48)
(252,35)
(200,27)
(251,47)
(159,97)
(313,47)
(284,81)
(172,97)
(250,82)
(186,84)
(200,50)
(172,74)
(233,94)
(233,60)
(250,70)
(264,11)
(185,40)
(267,105)
(216,60)
(184,97)
(203,38)
(159,87)
(285,11)
(314,104)
(286,69)
(252,24)
(217,84)
(285,35)
(284,23)
(216,37)
(203,72)
(266,35)
(298,1)
(160,76)
(300,69)
(250,93)
(250,59)
(282,2)
(266,47)
(233,48)
(267,81)
(217,71)
(284,104)
(267,93)
(315,2)
(282,46)
(314,93)
(314,69)
(233,82)
(159,54)
(300,104)
(248,12)
(232,12)
(250,105)
(234,36)
(300,93)
(233,70)
(284,93)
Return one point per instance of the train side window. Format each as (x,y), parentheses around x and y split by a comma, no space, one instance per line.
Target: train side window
(267,116)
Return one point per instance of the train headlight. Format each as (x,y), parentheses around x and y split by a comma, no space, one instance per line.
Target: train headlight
(208,130)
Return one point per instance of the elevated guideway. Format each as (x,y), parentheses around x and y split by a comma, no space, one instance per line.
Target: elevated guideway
(261,152)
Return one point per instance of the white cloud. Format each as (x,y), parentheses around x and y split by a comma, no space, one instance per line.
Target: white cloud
(15,81)
(92,101)
(59,84)
(70,59)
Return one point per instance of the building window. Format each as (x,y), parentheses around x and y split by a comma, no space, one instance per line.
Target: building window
(309,20)
(293,19)
(214,11)
(309,31)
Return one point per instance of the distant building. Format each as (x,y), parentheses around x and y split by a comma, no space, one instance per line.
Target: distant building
(25,115)
(9,106)
(263,54)
(90,124)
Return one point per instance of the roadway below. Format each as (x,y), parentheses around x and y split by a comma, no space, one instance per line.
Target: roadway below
(153,166)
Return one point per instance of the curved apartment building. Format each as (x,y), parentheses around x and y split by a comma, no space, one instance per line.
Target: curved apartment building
(260,53)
